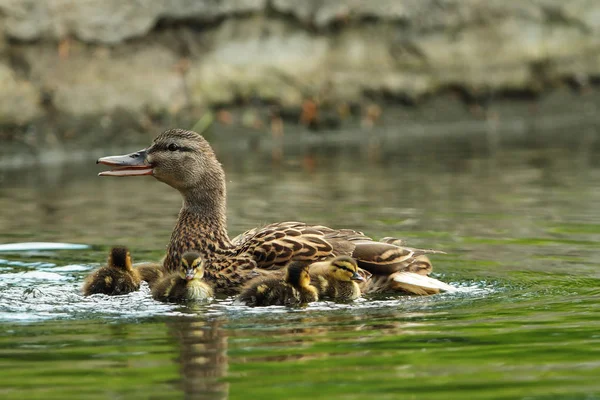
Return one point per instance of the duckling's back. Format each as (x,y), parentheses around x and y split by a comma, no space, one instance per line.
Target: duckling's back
(270,292)
(111,281)
(334,289)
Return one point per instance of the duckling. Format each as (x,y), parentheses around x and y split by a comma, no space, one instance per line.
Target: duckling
(150,272)
(186,284)
(117,277)
(337,279)
(292,289)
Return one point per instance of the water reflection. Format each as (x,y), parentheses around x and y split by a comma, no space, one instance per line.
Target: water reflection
(202,360)
(518,217)
(417,182)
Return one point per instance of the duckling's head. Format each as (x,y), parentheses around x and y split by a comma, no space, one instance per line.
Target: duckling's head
(182,159)
(119,257)
(192,266)
(344,268)
(297,274)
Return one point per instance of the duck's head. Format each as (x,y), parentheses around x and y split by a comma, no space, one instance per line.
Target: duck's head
(344,268)
(192,266)
(297,274)
(181,159)
(119,257)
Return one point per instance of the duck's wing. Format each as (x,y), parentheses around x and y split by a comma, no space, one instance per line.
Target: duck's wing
(274,245)
(278,226)
(384,258)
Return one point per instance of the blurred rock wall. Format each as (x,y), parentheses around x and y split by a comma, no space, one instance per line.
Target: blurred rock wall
(93,57)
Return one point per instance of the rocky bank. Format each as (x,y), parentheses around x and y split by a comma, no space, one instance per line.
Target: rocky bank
(79,59)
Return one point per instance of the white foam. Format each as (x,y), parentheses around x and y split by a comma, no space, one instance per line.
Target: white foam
(37,246)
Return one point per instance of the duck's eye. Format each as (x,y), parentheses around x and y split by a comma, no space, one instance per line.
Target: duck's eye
(172,147)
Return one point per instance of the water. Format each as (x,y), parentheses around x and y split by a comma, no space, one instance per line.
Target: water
(517,217)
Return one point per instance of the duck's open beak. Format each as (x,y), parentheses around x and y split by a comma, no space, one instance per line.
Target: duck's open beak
(134,164)
(357,277)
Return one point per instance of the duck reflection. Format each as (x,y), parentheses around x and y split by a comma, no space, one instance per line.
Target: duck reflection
(321,336)
(202,357)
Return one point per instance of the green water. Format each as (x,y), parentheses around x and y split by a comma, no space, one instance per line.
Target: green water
(519,221)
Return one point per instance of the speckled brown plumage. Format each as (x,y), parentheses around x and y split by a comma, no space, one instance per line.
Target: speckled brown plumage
(403,282)
(225,268)
(117,277)
(185,161)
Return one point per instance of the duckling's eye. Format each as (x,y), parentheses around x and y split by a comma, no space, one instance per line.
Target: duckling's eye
(172,147)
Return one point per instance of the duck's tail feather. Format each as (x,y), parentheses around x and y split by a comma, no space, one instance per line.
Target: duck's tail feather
(418,284)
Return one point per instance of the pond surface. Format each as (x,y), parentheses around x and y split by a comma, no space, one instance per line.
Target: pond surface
(519,220)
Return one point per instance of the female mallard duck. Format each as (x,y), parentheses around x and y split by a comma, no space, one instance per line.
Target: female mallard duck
(117,277)
(407,281)
(292,289)
(337,279)
(185,161)
(186,284)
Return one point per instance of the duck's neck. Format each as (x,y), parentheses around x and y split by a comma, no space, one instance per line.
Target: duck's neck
(201,226)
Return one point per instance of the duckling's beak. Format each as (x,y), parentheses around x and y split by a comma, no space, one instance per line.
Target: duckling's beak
(133,164)
(357,277)
(189,274)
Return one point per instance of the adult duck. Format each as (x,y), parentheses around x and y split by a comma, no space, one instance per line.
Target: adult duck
(185,161)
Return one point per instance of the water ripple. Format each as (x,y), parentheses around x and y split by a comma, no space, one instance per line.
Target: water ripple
(34,291)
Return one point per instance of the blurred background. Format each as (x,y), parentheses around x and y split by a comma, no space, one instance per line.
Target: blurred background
(87,73)
(468,126)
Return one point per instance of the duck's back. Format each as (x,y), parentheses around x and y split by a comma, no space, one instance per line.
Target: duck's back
(111,281)
(274,245)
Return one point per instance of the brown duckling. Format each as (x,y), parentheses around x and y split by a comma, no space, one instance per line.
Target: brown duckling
(292,289)
(186,284)
(117,277)
(337,279)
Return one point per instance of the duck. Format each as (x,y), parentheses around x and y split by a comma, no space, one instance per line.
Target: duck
(337,279)
(410,281)
(186,283)
(115,278)
(184,160)
(294,288)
